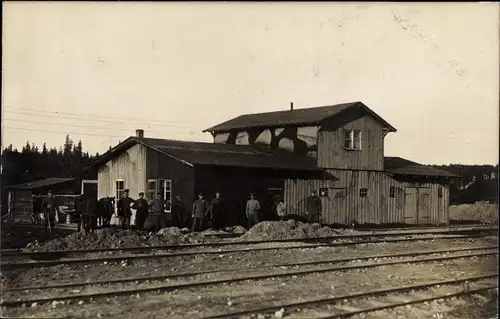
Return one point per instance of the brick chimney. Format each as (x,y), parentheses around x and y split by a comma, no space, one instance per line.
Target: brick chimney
(291,106)
(139,133)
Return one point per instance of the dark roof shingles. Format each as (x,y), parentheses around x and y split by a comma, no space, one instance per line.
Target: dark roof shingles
(278,118)
(307,116)
(401,166)
(198,153)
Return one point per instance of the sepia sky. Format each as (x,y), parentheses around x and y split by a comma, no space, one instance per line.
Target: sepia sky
(98,70)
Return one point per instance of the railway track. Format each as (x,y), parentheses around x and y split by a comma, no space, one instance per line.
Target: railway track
(55,258)
(238,269)
(340,308)
(63,253)
(114,291)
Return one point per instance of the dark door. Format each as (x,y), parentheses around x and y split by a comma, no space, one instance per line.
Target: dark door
(90,189)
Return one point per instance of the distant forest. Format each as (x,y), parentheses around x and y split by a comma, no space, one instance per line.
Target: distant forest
(478,182)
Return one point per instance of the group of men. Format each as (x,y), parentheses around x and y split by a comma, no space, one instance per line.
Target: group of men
(154,215)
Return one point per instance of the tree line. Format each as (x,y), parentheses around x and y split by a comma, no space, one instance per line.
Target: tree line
(33,162)
(477,182)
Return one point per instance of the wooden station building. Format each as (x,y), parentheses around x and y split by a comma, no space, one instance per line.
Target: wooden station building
(337,150)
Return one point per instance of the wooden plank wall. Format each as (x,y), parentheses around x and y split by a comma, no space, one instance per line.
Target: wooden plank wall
(21,205)
(182,176)
(343,204)
(331,152)
(129,166)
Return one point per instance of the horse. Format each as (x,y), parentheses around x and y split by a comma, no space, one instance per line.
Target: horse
(105,210)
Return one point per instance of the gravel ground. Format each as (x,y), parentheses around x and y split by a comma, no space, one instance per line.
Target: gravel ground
(139,268)
(227,275)
(196,302)
(409,311)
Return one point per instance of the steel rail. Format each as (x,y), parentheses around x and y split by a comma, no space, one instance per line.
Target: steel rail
(19,252)
(125,292)
(415,301)
(198,273)
(48,263)
(365,294)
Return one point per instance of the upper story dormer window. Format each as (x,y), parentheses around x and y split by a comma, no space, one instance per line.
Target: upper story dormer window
(352,139)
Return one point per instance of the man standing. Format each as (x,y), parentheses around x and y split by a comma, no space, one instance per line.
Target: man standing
(158,218)
(141,213)
(50,209)
(252,211)
(179,213)
(313,207)
(200,209)
(280,208)
(217,212)
(124,211)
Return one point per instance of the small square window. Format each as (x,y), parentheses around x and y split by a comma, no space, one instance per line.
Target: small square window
(352,139)
(363,192)
(392,192)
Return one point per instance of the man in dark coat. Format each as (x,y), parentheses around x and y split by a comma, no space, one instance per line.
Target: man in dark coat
(157,217)
(50,209)
(217,212)
(200,210)
(179,213)
(142,208)
(313,207)
(124,209)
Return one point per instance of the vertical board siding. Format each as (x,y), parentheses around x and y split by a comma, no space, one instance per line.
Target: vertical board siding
(160,166)
(129,166)
(331,152)
(343,205)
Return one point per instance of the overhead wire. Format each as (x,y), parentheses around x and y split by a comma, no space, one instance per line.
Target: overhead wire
(102,116)
(90,126)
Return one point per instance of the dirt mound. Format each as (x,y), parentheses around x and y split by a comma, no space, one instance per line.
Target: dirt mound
(235,230)
(486,213)
(117,238)
(272,230)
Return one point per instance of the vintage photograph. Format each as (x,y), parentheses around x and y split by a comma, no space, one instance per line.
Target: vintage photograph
(252,160)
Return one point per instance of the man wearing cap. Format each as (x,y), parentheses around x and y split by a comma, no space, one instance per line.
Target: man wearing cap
(252,211)
(141,213)
(50,208)
(200,210)
(124,212)
(313,207)
(158,219)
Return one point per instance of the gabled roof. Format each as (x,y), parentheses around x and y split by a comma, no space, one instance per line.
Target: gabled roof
(401,166)
(308,116)
(40,183)
(199,153)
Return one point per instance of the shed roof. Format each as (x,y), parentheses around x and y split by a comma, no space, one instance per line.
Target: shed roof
(200,153)
(401,166)
(306,116)
(40,183)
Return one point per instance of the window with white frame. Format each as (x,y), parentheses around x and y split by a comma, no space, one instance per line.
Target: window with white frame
(152,189)
(352,139)
(165,187)
(119,188)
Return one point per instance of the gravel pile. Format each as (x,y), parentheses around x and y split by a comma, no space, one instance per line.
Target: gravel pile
(118,238)
(272,230)
(486,213)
